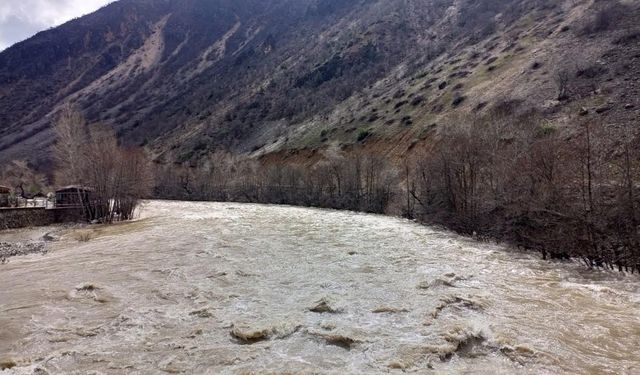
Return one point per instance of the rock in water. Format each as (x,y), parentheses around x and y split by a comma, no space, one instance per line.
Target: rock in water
(324,305)
(250,333)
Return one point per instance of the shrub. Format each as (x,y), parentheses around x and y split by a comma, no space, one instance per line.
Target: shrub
(363,134)
(546,130)
(591,71)
(506,106)
(481,106)
(562,82)
(605,18)
(398,94)
(457,100)
(491,60)
(84,236)
(629,38)
(417,100)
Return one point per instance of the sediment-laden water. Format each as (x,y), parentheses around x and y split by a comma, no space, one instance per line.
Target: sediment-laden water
(208,288)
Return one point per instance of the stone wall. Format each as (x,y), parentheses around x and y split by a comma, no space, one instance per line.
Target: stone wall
(33,217)
(67,215)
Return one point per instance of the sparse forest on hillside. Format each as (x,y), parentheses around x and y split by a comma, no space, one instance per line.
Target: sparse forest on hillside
(573,195)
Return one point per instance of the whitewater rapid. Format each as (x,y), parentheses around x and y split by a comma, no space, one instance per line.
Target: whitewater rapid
(216,288)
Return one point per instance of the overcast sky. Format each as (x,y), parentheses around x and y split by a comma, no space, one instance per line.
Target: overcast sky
(20,19)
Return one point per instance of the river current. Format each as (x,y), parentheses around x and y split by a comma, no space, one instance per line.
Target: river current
(218,288)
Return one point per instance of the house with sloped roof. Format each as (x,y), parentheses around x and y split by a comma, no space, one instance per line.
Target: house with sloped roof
(73,196)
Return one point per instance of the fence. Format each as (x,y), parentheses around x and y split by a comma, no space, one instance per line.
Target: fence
(29,203)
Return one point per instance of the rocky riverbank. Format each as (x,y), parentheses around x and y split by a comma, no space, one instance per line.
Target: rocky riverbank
(20,242)
(8,249)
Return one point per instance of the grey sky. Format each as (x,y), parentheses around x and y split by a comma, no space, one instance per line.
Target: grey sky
(21,19)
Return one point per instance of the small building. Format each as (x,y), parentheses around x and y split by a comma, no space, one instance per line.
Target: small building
(73,196)
(5,192)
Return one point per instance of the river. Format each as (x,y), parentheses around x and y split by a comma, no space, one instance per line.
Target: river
(214,288)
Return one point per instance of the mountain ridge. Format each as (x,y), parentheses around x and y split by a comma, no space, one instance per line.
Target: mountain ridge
(187,78)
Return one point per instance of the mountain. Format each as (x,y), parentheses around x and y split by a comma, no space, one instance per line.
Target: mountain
(186,78)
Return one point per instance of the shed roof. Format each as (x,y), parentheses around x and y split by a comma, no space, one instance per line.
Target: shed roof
(4,189)
(73,188)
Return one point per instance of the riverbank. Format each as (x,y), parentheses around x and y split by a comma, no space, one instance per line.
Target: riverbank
(27,241)
(8,250)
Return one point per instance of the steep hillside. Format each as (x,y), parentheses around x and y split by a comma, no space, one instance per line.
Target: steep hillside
(189,77)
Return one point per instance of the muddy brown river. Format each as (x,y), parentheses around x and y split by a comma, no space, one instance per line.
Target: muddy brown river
(213,288)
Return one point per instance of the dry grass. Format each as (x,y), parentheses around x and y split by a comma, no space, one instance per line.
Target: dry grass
(84,236)
(89,233)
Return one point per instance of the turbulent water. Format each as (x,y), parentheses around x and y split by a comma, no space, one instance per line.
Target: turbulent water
(247,289)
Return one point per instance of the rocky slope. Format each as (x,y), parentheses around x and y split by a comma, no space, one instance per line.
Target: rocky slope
(189,77)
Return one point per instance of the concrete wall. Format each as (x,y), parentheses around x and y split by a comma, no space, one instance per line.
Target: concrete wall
(33,217)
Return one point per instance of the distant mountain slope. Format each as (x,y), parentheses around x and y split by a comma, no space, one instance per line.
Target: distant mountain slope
(188,77)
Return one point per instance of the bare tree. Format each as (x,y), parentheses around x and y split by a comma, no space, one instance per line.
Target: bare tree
(561,79)
(91,156)
(70,146)
(562,192)
(24,179)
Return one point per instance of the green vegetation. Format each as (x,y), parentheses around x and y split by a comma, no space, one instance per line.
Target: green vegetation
(363,134)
